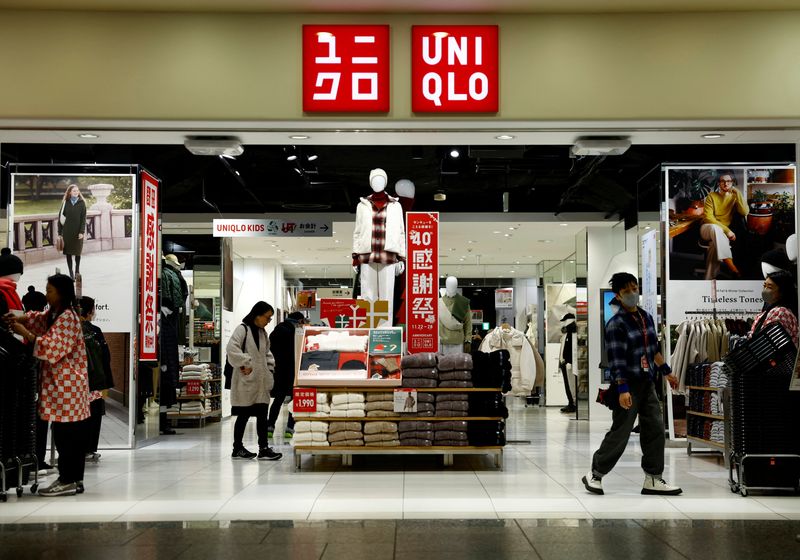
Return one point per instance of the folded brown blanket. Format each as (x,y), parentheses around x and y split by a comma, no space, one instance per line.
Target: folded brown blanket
(379,397)
(351,443)
(381,414)
(414,382)
(344,427)
(423,414)
(456,384)
(426,359)
(413,426)
(455,361)
(447,435)
(450,425)
(392,443)
(453,405)
(453,413)
(462,397)
(426,373)
(425,397)
(341,436)
(455,375)
(416,435)
(451,443)
(380,405)
(416,442)
(372,438)
(380,428)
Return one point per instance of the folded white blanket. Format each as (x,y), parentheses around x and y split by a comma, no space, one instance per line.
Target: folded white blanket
(347,398)
(296,443)
(347,406)
(380,427)
(306,437)
(335,340)
(306,426)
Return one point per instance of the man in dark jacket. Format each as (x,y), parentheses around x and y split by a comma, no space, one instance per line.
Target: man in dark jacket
(281,343)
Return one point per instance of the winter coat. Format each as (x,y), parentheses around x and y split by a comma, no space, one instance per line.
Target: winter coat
(74,225)
(395,228)
(281,343)
(523,361)
(172,296)
(252,389)
(64,392)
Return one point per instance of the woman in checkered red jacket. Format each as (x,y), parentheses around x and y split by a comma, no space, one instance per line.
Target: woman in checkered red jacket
(780,304)
(57,340)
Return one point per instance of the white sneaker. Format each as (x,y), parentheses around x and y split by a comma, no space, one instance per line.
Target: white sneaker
(656,485)
(593,483)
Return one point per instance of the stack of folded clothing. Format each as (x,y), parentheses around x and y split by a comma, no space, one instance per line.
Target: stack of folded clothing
(498,366)
(452,404)
(415,433)
(323,408)
(348,405)
(308,433)
(380,404)
(455,371)
(346,434)
(487,404)
(192,407)
(381,434)
(450,433)
(200,372)
(425,406)
(486,372)
(419,370)
(487,433)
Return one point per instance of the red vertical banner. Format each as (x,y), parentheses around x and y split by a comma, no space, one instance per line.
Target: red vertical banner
(422,282)
(148,268)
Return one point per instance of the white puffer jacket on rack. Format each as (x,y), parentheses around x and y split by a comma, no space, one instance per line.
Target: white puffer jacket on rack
(523,361)
(395,228)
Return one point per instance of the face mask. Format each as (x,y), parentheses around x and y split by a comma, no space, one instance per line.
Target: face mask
(768,297)
(630,299)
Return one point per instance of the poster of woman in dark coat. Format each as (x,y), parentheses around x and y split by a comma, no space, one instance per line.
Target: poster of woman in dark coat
(72,227)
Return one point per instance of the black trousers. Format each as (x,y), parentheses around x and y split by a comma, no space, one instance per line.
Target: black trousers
(97,408)
(646,405)
(275,408)
(563,367)
(42,427)
(261,427)
(70,439)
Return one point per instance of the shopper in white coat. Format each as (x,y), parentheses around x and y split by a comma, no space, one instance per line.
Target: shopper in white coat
(253,368)
(379,241)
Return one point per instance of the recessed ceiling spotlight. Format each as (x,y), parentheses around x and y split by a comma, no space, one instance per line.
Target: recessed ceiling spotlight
(545,240)
(312,157)
(336,241)
(497,231)
(291,157)
(516,262)
(454,153)
(713,135)
(506,235)
(572,262)
(299,137)
(88,135)
(511,271)
(563,225)
(440,196)
(647,227)
(505,137)
(512,228)
(471,241)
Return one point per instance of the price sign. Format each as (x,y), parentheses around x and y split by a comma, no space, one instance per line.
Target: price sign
(304,400)
(193,387)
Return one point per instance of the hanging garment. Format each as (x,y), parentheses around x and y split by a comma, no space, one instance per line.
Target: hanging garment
(523,362)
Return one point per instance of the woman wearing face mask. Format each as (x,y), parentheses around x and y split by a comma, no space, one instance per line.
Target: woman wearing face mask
(780,304)
(72,227)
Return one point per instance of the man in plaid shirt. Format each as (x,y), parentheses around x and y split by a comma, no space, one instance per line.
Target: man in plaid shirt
(636,366)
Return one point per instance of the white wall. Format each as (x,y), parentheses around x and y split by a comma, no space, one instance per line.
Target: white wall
(525,294)
(602,264)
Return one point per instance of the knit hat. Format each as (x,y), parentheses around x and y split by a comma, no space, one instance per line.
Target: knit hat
(378,173)
(9,264)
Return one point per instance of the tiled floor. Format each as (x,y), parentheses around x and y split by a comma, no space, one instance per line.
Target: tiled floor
(191,477)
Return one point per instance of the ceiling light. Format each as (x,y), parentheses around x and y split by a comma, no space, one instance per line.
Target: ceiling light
(88,135)
(291,157)
(505,137)
(712,136)
(336,241)
(506,235)
(545,241)
(563,225)
(299,137)
(572,262)
(440,34)
(439,196)
(312,157)
(516,262)
(497,231)
(600,146)
(647,227)
(454,153)
(511,271)
(211,146)
(512,228)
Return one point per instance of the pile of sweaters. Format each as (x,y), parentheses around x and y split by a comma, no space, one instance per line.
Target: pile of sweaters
(309,433)
(455,371)
(450,433)
(381,434)
(380,405)
(348,405)
(348,434)
(415,433)
(419,370)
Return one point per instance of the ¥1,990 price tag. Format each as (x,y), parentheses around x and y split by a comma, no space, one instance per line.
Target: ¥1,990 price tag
(304,400)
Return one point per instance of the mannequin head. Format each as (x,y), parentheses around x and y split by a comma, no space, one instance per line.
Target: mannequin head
(451,286)
(378,180)
(791,248)
(405,188)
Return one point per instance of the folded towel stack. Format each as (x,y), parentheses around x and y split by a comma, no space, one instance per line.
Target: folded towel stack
(381,434)
(380,404)
(425,406)
(348,405)
(420,377)
(455,371)
(450,433)
(198,372)
(346,434)
(452,404)
(415,433)
(487,433)
(192,407)
(487,404)
(310,434)
(323,408)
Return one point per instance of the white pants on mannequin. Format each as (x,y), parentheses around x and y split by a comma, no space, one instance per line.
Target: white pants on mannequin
(719,248)
(377,282)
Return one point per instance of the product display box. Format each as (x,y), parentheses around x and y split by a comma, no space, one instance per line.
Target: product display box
(349,356)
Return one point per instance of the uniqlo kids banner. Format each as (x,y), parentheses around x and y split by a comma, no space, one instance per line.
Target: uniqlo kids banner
(454,69)
(148,305)
(346,68)
(422,281)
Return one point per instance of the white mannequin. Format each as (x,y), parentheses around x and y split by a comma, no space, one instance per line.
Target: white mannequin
(454,330)
(451,286)
(377,278)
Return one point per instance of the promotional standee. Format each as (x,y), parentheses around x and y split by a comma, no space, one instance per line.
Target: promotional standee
(729,226)
(86,221)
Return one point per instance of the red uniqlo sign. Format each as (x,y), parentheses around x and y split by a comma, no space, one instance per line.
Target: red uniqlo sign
(304,400)
(148,273)
(454,69)
(346,68)
(422,282)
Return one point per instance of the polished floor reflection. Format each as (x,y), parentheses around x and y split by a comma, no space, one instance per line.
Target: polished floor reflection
(191,477)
